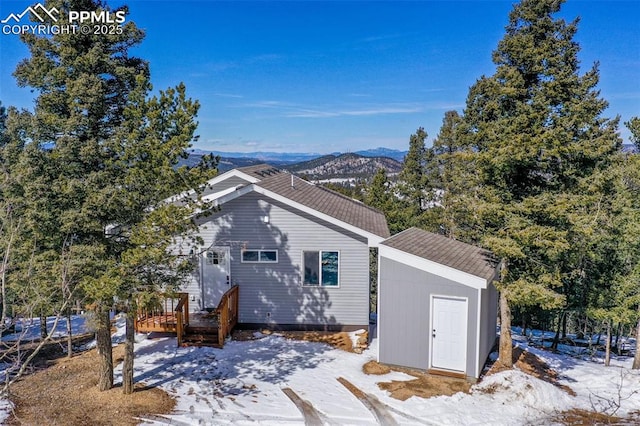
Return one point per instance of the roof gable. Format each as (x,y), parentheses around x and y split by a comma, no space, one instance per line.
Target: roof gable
(328,202)
(315,200)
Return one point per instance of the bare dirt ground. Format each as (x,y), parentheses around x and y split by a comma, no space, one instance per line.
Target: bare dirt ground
(424,385)
(64,391)
(339,340)
(534,366)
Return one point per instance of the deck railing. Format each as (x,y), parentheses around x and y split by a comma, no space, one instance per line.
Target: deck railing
(163,315)
(227,313)
(170,314)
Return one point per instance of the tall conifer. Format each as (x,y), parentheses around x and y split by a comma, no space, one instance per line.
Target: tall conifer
(538,136)
(100,158)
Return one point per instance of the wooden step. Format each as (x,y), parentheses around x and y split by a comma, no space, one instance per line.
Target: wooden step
(201,339)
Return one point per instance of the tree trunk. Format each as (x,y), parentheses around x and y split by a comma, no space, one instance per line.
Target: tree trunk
(127,367)
(43,325)
(103,337)
(564,325)
(505,354)
(69,335)
(636,358)
(607,346)
(556,338)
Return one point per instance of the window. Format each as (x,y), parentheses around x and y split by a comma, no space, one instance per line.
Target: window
(213,257)
(320,268)
(260,256)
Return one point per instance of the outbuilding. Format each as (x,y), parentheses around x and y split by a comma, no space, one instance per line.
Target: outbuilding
(437,305)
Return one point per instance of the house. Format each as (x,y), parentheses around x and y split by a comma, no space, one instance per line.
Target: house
(298,252)
(437,306)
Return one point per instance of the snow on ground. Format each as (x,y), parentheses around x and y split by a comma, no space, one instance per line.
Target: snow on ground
(243,384)
(27,329)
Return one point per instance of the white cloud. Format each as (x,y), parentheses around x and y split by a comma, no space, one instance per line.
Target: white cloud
(228,95)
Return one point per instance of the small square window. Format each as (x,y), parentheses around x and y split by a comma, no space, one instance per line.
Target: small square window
(213,257)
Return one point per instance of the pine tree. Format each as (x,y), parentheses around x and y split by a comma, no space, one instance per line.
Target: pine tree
(380,195)
(626,290)
(412,179)
(451,173)
(538,138)
(83,84)
(101,159)
(377,194)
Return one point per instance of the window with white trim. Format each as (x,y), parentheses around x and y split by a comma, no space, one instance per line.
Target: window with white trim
(259,256)
(213,257)
(321,268)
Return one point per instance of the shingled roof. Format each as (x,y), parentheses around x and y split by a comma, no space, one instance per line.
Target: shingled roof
(319,198)
(260,171)
(445,251)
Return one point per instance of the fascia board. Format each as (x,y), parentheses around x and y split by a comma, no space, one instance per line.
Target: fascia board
(214,181)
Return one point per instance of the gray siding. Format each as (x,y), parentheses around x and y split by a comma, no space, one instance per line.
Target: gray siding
(489,317)
(192,286)
(273,293)
(405,310)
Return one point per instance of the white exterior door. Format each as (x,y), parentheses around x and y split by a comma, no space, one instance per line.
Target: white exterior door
(449,333)
(216,275)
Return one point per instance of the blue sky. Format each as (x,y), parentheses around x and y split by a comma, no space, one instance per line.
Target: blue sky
(315,76)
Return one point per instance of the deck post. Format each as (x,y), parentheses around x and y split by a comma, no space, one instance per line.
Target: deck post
(186,307)
(179,327)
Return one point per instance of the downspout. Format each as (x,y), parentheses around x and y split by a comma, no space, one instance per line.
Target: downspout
(201,280)
(478,331)
(378,303)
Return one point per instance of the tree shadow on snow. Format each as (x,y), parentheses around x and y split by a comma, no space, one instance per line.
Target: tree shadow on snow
(233,370)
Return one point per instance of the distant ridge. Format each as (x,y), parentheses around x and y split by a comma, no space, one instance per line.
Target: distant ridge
(344,166)
(297,157)
(313,165)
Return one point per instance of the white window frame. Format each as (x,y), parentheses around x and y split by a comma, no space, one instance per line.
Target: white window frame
(211,256)
(337,285)
(260,260)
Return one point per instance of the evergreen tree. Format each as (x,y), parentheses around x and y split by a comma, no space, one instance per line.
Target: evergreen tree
(380,195)
(451,173)
(626,291)
(83,83)
(100,161)
(412,179)
(538,139)
(377,194)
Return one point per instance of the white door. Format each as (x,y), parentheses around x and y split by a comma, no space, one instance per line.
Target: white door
(216,278)
(449,334)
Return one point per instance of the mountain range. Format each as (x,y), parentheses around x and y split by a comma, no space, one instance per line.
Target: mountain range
(297,157)
(316,166)
(313,165)
(350,165)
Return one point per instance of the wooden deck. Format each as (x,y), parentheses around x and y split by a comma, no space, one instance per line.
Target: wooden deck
(192,329)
